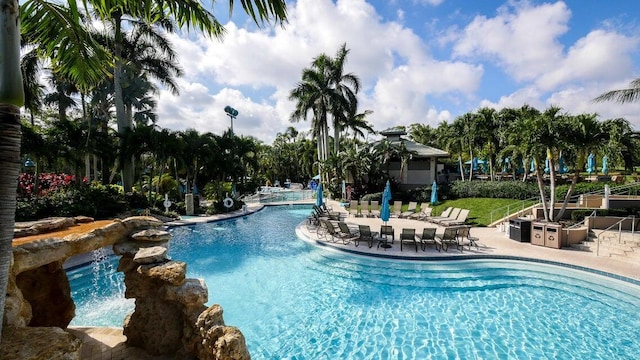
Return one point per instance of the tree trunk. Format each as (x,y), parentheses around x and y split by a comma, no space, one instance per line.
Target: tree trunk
(543,197)
(461,167)
(121,116)
(10,164)
(11,98)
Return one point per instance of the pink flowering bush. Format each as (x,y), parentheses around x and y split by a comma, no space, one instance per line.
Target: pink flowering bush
(47,182)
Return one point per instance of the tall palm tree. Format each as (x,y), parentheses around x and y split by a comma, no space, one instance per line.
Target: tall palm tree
(57,28)
(326,90)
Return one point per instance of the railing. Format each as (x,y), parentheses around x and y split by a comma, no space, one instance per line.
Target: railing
(619,224)
(632,189)
(594,213)
(510,209)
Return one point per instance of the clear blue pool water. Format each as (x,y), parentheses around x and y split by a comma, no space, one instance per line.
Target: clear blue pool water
(295,301)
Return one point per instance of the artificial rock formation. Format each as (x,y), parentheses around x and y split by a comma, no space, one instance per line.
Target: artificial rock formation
(170,316)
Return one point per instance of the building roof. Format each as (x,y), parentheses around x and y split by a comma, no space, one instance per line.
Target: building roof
(394,135)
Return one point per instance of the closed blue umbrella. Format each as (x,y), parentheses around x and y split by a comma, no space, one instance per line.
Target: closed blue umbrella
(546,166)
(591,163)
(474,163)
(434,193)
(605,164)
(505,165)
(562,168)
(385,212)
(533,166)
(319,195)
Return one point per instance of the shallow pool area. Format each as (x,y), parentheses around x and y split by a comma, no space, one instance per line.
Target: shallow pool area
(293,300)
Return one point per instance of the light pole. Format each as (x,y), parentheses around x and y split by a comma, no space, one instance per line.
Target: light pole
(232,115)
(31,164)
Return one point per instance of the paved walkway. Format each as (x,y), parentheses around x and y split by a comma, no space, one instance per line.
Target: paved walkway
(109,343)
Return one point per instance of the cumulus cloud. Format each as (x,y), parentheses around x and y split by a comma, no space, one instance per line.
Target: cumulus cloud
(403,80)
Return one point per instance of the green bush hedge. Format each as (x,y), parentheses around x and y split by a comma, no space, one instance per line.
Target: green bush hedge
(493,189)
(97,201)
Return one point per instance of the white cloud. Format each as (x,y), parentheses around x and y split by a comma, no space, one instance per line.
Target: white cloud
(402,81)
(521,38)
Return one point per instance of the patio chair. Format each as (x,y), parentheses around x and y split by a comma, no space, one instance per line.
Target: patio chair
(428,237)
(366,235)
(353,208)
(453,214)
(397,208)
(460,220)
(411,209)
(375,208)
(448,238)
(385,231)
(408,235)
(464,232)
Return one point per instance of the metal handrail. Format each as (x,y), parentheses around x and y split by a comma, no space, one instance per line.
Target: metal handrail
(619,223)
(594,213)
(573,199)
(521,204)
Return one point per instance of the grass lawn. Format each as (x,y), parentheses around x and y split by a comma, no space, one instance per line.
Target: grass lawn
(480,208)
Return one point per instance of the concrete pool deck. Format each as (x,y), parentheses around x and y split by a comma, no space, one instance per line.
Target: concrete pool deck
(109,343)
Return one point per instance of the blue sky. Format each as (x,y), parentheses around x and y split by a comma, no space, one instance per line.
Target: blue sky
(419,61)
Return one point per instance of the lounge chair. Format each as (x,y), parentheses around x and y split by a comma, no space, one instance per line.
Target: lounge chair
(397,208)
(425,212)
(428,237)
(448,238)
(460,220)
(334,235)
(408,235)
(411,209)
(346,230)
(366,235)
(385,231)
(353,208)
(444,215)
(332,215)
(375,208)
(452,216)
(364,209)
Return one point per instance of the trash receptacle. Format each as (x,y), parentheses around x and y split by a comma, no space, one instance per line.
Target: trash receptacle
(520,230)
(538,233)
(553,236)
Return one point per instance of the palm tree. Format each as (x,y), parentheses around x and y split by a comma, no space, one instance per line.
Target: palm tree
(325,90)
(623,96)
(57,28)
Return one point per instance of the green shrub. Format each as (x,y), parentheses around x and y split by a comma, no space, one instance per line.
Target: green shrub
(493,189)
(579,215)
(94,200)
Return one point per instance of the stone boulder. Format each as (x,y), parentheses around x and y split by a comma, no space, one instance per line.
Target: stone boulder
(38,343)
(48,292)
(153,235)
(150,255)
(42,226)
(217,341)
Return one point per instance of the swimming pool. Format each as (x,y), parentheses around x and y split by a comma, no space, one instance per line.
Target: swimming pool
(295,301)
